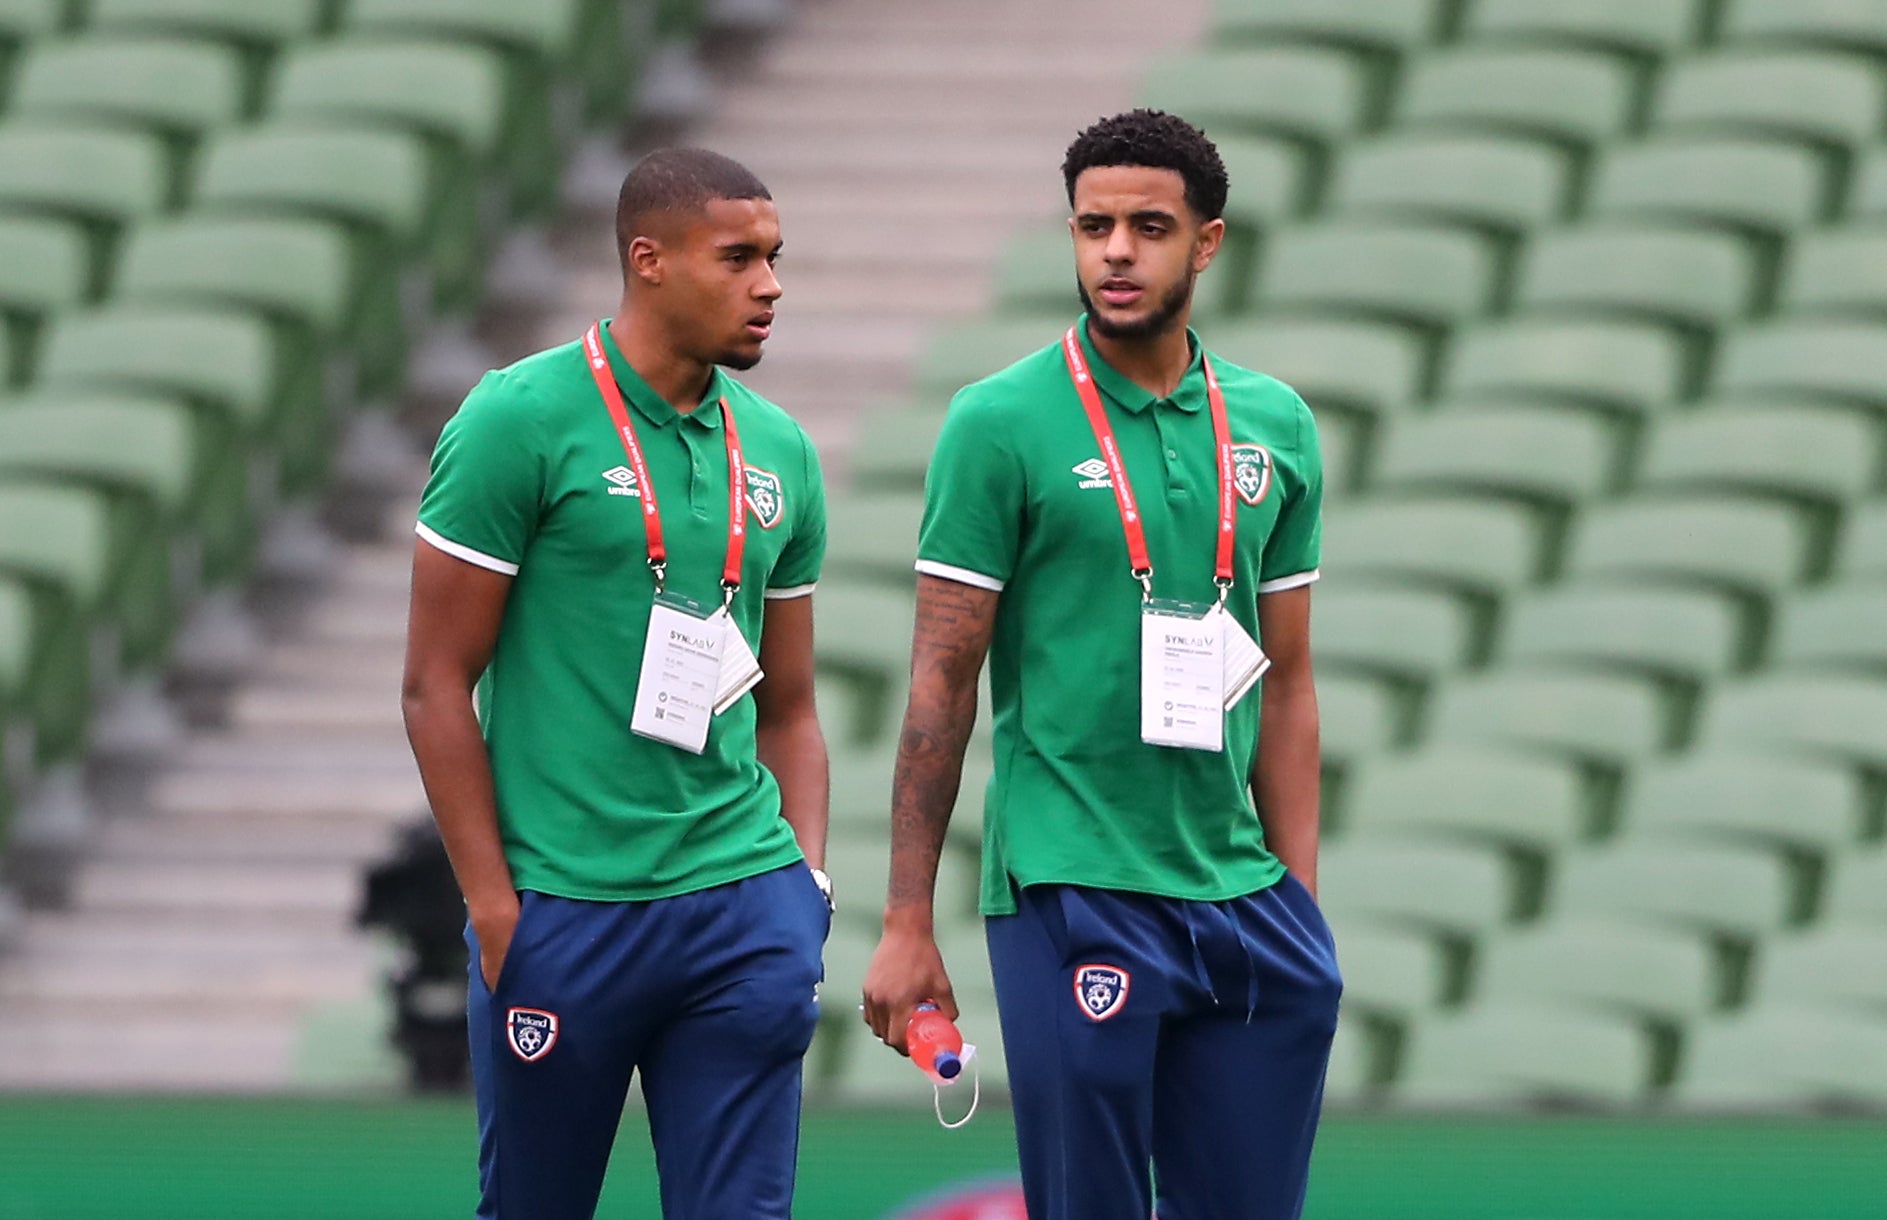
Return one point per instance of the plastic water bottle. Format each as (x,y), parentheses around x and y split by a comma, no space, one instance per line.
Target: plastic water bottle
(934,1043)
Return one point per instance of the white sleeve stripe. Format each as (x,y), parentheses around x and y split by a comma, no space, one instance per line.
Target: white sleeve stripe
(962,576)
(787,594)
(1289,582)
(460,551)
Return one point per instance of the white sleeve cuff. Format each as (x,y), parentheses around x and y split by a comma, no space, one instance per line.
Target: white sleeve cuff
(962,576)
(1289,582)
(788,594)
(458,551)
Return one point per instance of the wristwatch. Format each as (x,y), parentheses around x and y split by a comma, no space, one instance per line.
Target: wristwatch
(824,883)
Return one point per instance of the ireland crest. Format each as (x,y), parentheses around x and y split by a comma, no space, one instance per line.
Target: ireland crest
(765,496)
(531,1032)
(1101,990)
(1251,472)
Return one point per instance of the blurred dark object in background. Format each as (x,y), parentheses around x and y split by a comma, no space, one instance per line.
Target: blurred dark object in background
(413,895)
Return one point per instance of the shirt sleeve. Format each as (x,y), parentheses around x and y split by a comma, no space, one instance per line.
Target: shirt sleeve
(805,552)
(973,499)
(483,498)
(1295,549)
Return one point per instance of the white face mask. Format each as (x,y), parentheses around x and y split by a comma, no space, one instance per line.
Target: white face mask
(976,1090)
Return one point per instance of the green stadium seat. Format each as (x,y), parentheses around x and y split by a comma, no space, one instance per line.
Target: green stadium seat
(184,461)
(1838,25)
(177,87)
(45,658)
(549,41)
(1845,966)
(149,455)
(971,351)
(375,182)
(1518,801)
(1475,546)
(1831,715)
(1767,188)
(1661,273)
(1863,550)
(1355,366)
(892,452)
(1733,796)
(1379,26)
(1748,546)
(1036,276)
(1540,1054)
(1454,888)
(1537,454)
(1835,271)
(1390,970)
(1777,1056)
(1575,98)
(1393,629)
(64,539)
(864,635)
(224,362)
(1359,714)
(1609,719)
(1599,963)
(103,177)
(1315,96)
(1806,451)
(1841,361)
(258,27)
(1832,101)
(452,96)
(1500,183)
(1729,889)
(300,272)
(1838,627)
(1616,366)
(873,536)
(1353,1076)
(1857,890)
(1868,190)
(1646,28)
(1688,634)
(45,266)
(442,89)
(21,20)
(1411,274)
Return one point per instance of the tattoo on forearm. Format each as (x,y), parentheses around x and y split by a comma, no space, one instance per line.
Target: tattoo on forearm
(954,622)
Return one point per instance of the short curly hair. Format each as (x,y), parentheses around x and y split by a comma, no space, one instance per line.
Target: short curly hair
(1157,140)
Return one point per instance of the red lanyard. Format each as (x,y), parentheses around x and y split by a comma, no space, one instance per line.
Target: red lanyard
(651,512)
(1130,523)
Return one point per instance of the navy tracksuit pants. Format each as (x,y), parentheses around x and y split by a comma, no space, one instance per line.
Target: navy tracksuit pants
(1189,1036)
(710,995)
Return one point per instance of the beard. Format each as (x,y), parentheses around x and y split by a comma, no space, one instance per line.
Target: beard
(738,359)
(1159,322)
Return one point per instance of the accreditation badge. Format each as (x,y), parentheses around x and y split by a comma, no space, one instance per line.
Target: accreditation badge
(1182,675)
(681,673)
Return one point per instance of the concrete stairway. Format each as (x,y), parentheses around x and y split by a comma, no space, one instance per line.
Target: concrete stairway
(904,140)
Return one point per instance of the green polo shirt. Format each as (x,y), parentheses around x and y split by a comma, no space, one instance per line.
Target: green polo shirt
(1018,500)
(530,479)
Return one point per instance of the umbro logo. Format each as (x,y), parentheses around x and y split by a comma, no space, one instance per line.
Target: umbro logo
(622,482)
(1093,473)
